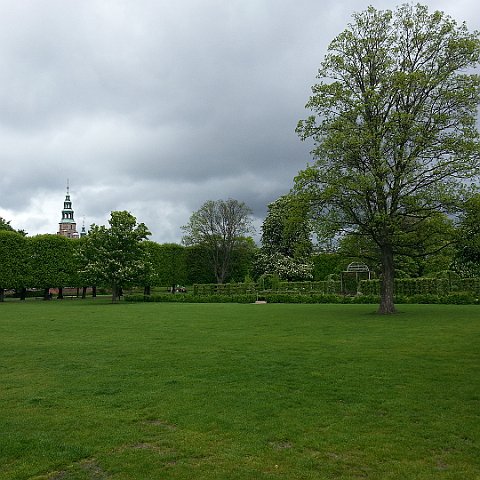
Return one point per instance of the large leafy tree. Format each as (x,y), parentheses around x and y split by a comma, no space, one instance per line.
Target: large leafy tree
(113,255)
(393,124)
(286,228)
(286,243)
(220,226)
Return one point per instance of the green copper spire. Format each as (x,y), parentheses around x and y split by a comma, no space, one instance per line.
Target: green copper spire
(67,225)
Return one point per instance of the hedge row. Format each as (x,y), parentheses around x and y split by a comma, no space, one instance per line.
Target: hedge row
(460,298)
(189,298)
(424,286)
(322,287)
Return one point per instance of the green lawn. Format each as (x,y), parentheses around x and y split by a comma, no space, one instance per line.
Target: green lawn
(91,390)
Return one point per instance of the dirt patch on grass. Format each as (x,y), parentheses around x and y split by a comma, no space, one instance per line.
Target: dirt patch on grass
(156,422)
(89,466)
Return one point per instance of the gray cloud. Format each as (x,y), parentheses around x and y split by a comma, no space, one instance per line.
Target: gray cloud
(155,107)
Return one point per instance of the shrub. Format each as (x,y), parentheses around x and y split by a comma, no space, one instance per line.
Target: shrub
(188,298)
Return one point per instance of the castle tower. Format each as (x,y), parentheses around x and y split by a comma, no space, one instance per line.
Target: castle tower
(67,226)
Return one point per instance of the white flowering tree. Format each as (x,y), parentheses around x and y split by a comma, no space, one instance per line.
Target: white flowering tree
(113,255)
(286,245)
(287,268)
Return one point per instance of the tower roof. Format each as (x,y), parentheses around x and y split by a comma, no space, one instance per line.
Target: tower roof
(67,225)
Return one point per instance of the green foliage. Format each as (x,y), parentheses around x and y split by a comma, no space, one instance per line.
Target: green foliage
(428,249)
(393,121)
(242,259)
(286,268)
(286,244)
(5,226)
(114,256)
(167,264)
(457,298)
(286,229)
(13,260)
(326,264)
(199,265)
(52,261)
(410,287)
(467,260)
(268,283)
(189,298)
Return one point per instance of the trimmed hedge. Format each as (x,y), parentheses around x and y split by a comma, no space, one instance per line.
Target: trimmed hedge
(189,298)
(424,286)
(322,287)
(459,298)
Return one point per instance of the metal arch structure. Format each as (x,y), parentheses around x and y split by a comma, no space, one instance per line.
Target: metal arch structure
(358,271)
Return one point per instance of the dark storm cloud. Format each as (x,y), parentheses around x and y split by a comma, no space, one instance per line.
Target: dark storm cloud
(155,106)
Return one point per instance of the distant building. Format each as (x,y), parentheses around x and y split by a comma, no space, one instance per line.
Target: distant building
(67,226)
(83,232)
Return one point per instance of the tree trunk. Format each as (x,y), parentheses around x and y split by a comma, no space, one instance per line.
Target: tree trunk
(387,306)
(23,293)
(117,292)
(60,293)
(84,292)
(94,292)
(2,294)
(46,294)
(147,290)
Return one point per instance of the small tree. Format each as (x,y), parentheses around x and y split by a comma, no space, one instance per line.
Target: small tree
(219,226)
(394,126)
(113,255)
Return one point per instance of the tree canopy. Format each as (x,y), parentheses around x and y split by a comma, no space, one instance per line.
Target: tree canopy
(113,255)
(394,128)
(5,225)
(467,260)
(286,244)
(220,226)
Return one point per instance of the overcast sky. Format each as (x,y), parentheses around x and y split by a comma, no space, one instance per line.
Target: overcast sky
(156,106)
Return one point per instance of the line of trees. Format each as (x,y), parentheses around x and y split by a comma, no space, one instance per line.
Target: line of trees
(120,256)
(116,256)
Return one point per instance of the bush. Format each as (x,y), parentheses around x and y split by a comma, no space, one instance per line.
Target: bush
(458,298)
(189,298)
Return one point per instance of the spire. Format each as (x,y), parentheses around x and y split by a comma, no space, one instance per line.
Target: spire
(67,225)
(83,231)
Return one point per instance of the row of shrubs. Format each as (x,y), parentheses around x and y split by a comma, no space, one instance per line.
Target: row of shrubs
(403,287)
(252,287)
(459,298)
(420,286)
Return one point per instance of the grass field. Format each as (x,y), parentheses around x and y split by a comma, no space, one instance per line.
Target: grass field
(91,390)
